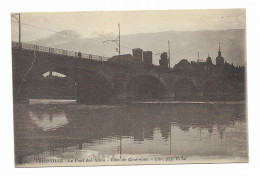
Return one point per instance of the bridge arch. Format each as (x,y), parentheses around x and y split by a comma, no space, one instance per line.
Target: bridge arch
(219,89)
(209,90)
(145,86)
(91,87)
(57,86)
(184,89)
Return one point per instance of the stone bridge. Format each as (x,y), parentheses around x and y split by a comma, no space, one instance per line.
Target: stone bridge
(98,80)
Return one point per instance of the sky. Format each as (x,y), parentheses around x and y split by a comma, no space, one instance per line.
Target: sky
(93,24)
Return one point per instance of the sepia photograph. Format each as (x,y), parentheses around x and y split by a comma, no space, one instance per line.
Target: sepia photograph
(140,87)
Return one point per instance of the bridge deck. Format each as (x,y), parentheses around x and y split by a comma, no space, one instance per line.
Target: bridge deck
(56,51)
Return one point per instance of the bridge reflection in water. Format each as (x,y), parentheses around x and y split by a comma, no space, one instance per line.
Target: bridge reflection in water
(214,130)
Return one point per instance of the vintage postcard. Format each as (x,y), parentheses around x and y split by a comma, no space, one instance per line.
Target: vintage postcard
(129,87)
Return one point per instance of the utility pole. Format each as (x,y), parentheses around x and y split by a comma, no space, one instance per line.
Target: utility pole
(119,40)
(19,23)
(169,54)
(19,31)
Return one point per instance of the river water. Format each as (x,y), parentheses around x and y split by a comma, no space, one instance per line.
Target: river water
(63,133)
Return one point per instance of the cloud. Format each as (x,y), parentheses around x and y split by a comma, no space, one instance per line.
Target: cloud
(105,24)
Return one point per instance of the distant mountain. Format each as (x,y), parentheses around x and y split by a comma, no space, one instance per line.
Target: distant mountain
(184,44)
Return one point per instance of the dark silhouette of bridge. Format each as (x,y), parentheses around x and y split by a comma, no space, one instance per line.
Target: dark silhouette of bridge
(99,81)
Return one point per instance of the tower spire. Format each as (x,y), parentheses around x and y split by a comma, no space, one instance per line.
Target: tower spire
(219,52)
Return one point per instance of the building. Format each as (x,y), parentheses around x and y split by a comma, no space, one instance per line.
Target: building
(199,67)
(148,57)
(124,59)
(219,59)
(138,55)
(207,68)
(202,67)
(183,65)
(209,60)
(164,61)
(209,65)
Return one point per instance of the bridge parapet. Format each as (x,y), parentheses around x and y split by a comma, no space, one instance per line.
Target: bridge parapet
(56,51)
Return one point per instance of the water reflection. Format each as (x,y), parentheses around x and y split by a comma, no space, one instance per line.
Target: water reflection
(78,131)
(49,120)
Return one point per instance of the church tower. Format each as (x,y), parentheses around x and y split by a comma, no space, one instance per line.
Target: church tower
(219,59)
(209,61)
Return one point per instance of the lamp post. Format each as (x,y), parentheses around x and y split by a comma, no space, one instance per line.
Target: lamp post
(117,41)
(19,22)
(169,54)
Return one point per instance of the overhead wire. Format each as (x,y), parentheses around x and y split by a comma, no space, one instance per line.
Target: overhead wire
(64,33)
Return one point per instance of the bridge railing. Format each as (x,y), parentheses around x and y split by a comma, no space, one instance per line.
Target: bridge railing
(27,46)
